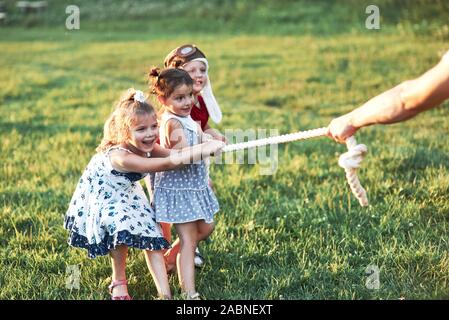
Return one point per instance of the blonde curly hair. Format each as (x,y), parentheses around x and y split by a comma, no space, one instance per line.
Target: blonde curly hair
(117,126)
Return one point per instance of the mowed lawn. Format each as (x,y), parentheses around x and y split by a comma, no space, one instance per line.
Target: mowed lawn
(296,234)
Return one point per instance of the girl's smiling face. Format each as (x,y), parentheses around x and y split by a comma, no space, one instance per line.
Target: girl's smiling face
(198,72)
(180,101)
(144,133)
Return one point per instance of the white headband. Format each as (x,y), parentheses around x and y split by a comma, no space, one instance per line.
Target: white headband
(209,99)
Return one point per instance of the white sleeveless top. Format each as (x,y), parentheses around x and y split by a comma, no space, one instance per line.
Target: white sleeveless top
(187,122)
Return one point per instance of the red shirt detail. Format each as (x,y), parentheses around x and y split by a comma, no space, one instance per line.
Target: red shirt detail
(200,114)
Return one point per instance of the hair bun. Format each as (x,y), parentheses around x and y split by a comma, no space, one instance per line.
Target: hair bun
(155,72)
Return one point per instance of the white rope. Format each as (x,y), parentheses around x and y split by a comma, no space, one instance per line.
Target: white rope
(349,161)
(301,135)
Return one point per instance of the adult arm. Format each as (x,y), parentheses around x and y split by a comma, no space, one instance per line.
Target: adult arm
(400,103)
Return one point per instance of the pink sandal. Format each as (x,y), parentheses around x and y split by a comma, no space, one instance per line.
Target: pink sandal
(116,284)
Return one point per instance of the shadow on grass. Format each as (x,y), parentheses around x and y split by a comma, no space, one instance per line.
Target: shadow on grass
(422,159)
(26,218)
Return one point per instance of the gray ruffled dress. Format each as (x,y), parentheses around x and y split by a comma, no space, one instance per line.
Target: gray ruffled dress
(183,195)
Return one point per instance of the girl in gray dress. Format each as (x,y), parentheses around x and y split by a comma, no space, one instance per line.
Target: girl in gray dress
(182,197)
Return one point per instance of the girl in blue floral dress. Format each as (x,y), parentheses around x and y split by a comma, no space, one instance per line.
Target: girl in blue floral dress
(182,197)
(109,211)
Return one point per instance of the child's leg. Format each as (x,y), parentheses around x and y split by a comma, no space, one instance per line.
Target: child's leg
(172,253)
(166,231)
(187,233)
(118,258)
(204,229)
(156,265)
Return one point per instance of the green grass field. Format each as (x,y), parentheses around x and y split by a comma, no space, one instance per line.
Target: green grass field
(296,234)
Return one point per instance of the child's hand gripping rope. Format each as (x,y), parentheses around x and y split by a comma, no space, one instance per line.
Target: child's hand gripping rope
(350,160)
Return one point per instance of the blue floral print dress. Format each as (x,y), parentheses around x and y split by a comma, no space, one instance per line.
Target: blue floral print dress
(110,208)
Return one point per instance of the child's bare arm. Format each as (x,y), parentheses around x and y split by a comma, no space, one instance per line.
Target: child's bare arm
(160,152)
(129,162)
(174,135)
